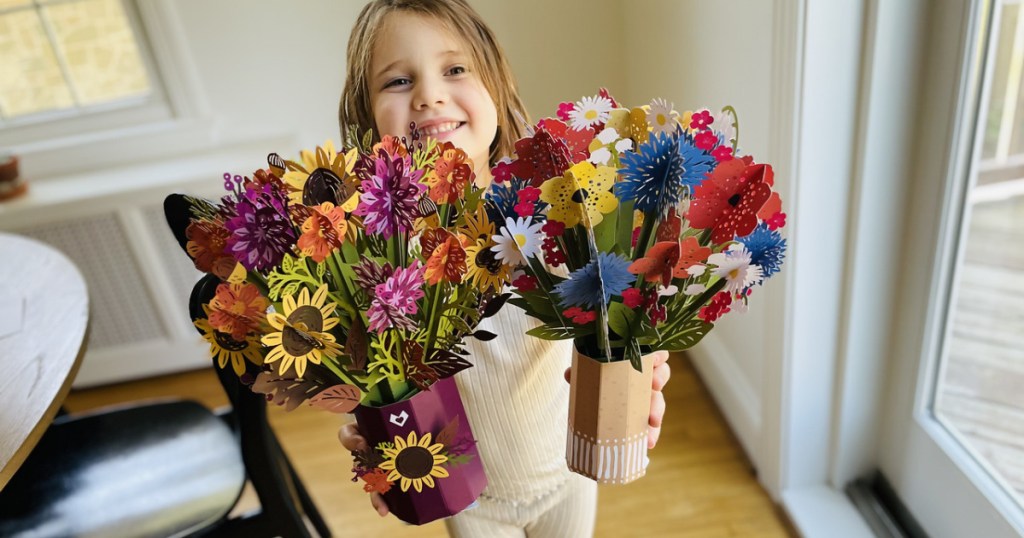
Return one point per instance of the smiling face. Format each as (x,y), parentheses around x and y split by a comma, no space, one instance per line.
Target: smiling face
(421,73)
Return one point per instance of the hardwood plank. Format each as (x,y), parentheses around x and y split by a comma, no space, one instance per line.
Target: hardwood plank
(699,484)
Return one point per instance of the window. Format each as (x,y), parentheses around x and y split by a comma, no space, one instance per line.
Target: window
(71,67)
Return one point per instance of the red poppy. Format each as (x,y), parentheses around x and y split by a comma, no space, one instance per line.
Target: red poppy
(729,199)
(578,142)
(541,157)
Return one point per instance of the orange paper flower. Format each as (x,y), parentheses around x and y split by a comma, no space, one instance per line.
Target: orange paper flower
(237,309)
(451,173)
(323,231)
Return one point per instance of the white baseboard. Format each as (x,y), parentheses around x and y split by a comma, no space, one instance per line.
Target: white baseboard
(731,390)
(137,361)
(822,512)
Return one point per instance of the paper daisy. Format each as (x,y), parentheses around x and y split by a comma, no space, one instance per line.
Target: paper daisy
(414,461)
(595,283)
(590,112)
(734,266)
(662,117)
(518,241)
(301,334)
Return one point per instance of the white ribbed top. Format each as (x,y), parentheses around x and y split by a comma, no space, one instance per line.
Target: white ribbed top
(517,402)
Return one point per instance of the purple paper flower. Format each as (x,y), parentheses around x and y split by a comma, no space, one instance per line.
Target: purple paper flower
(390,196)
(396,298)
(261,232)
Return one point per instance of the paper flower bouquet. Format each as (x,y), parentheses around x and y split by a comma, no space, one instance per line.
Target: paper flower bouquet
(351,280)
(631,230)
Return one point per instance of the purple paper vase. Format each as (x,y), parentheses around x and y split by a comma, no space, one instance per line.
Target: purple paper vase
(428,411)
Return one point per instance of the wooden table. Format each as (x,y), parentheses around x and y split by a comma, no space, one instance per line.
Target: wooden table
(44,315)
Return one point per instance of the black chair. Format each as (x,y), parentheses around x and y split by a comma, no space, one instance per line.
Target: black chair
(157,469)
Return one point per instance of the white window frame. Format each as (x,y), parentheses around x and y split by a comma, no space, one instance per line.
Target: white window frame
(174,119)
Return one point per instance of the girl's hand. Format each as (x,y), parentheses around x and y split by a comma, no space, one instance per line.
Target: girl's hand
(661,374)
(352,439)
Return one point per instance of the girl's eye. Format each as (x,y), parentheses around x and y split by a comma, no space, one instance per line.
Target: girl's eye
(457,70)
(397,82)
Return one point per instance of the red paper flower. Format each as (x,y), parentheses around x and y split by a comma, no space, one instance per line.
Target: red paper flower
(658,263)
(529,194)
(722,153)
(525,283)
(771,207)
(670,227)
(705,140)
(553,228)
(553,254)
(603,92)
(541,157)
(564,109)
(377,481)
(503,171)
(691,253)
(776,221)
(729,199)
(524,209)
(578,142)
(720,304)
(701,120)
(632,298)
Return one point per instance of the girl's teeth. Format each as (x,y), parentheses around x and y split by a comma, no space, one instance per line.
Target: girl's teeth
(442,128)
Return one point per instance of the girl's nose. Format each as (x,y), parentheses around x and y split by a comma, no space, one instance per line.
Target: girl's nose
(429,93)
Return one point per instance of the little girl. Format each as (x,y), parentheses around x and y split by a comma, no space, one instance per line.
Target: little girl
(436,63)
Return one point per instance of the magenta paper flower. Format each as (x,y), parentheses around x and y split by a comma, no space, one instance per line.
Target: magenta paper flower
(396,298)
(261,232)
(390,196)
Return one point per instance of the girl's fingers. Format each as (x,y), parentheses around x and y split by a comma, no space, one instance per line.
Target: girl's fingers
(661,374)
(350,437)
(378,504)
(652,437)
(568,374)
(657,409)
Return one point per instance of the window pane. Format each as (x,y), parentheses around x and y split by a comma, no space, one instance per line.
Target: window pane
(30,77)
(99,48)
(979,394)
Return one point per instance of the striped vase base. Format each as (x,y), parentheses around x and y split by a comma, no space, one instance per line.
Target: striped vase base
(608,461)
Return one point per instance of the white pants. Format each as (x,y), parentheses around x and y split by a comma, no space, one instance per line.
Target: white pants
(567,512)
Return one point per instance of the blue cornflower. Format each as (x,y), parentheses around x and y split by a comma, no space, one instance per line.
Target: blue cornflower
(767,249)
(661,171)
(503,197)
(584,286)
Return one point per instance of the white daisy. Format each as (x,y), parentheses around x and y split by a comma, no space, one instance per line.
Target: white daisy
(519,240)
(734,266)
(590,111)
(661,116)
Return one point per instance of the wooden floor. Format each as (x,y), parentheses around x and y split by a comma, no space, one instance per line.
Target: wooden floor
(699,484)
(980,386)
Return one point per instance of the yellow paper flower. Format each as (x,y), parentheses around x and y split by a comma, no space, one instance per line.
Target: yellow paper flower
(415,461)
(484,269)
(478,225)
(226,349)
(323,157)
(582,187)
(301,333)
(630,123)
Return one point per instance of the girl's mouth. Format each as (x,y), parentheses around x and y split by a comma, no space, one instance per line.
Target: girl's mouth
(441,131)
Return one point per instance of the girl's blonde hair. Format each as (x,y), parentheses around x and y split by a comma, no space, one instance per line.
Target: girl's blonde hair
(461,20)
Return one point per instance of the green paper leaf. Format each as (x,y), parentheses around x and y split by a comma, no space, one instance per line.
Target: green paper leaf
(551,332)
(620,319)
(691,332)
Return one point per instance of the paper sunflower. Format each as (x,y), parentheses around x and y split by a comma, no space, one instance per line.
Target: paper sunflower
(414,461)
(583,186)
(324,165)
(226,349)
(484,269)
(301,332)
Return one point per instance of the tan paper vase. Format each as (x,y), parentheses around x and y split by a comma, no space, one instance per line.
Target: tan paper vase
(609,409)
